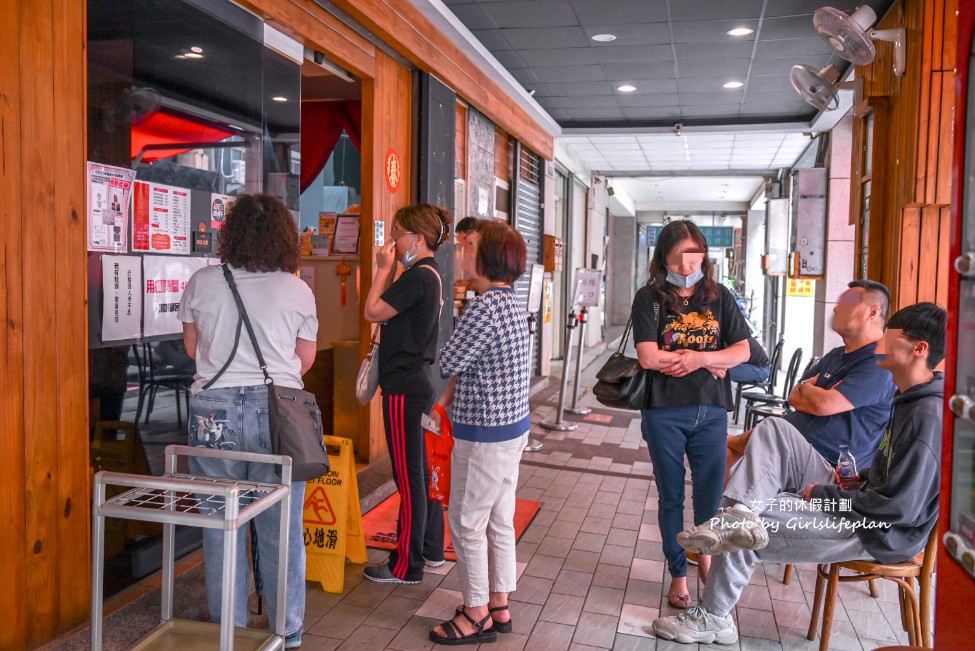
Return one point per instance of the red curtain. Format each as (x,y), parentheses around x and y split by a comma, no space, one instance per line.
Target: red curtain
(168,128)
(322,123)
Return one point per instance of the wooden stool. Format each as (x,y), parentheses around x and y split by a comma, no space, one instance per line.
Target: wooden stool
(915,611)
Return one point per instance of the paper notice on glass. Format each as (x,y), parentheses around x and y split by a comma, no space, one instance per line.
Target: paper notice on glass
(122,292)
(109,189)
(219,205)
(165,280)
(160,219)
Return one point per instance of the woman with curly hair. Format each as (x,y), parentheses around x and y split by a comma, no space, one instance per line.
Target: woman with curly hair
(409,311)
(229,404)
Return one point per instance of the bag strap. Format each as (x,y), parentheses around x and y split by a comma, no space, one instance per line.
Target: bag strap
(629,326)
(233,353)
(439,283)
(247,323)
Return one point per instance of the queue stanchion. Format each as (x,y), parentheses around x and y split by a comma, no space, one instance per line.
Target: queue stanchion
(575,408)
(533,445)
(557,423)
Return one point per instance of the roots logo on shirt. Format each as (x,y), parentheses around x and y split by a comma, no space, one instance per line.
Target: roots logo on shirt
(692,330)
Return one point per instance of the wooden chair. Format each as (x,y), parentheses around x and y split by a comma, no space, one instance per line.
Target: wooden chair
(916,607)
(768,386)
(776,404)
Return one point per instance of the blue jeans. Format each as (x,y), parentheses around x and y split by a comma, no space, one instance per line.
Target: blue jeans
(748,373)
(235,418)
(701,432)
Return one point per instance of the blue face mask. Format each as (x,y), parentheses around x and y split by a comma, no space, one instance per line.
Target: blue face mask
(410,256)
(685,282)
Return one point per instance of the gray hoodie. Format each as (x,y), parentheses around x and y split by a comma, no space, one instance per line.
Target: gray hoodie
(904,478)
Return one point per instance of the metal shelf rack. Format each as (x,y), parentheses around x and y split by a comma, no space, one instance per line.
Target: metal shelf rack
(212,503)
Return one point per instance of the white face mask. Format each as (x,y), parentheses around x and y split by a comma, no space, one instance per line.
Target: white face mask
(685,282)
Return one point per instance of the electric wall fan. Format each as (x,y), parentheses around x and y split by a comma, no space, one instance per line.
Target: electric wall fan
(853,39)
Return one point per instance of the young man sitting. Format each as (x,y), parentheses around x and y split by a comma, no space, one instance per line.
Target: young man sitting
(885,513)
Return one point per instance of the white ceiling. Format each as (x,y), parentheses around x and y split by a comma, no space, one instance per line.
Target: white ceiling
(658,190)
(657,154)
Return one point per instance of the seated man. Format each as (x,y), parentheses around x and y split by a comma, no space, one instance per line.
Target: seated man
(756,369)
(886,514)
(844,399)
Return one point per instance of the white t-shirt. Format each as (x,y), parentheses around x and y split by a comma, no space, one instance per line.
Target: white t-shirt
(281,308)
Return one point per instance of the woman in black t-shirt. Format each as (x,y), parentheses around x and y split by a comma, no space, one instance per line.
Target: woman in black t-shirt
(409,310)
(698,335)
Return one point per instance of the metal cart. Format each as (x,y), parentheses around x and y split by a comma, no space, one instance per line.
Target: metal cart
(190,500)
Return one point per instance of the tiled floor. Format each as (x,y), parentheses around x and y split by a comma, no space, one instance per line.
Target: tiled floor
(592,573)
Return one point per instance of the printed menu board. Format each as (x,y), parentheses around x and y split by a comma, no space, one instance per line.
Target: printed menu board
(160,219)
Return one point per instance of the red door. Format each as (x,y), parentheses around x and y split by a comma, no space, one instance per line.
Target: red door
(956,558)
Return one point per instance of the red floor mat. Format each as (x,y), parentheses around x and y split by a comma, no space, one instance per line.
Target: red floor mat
(380,523)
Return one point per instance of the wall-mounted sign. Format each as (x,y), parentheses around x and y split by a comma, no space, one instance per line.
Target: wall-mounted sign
(109,189)
(379,233)
(537,275)
(346,235)
(801,287)
(393,171)
(122,292)
(717,236)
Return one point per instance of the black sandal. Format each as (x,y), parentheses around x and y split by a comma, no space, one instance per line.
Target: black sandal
(500,627)
(454,636)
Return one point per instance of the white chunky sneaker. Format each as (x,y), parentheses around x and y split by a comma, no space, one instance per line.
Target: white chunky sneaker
(729,530)
(696,625)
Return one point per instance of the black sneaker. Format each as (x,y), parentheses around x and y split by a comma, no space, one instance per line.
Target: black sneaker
(381,574)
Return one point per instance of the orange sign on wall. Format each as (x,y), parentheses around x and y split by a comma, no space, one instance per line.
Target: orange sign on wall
(393,170)
(801,287)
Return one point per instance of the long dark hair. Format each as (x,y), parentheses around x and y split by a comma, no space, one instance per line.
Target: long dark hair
(673,234)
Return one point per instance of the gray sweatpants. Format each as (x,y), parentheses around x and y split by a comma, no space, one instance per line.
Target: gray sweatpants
(769,479)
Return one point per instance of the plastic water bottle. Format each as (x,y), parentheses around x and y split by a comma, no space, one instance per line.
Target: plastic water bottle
(847,467)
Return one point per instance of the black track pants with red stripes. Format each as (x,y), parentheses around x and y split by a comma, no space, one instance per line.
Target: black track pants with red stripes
(420,528)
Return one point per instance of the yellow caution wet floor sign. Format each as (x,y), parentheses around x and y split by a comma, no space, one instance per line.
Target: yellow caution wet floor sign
(333,519)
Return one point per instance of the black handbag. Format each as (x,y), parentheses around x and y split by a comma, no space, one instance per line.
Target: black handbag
(621,382)
(295,419)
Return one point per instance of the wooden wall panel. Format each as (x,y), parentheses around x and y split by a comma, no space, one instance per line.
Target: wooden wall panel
(13,508)
(387,102)
(460,143)
(916,149)
(910,255)
(944,257)
(502,156)
(44,466)
(305,21)
(414,37)
(73,513)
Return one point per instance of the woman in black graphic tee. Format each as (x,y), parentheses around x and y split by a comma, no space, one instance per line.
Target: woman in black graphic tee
(409,310)
(700,334)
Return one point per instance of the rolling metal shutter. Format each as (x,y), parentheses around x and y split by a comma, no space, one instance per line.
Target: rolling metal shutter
(528,222)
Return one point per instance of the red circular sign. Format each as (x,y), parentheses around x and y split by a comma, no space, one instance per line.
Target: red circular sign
(393,170)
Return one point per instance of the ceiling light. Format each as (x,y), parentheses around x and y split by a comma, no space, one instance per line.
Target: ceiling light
(734,84)
(280,99)
(626,88)
(604,38)
(196,50)
(740,31)
(193,55)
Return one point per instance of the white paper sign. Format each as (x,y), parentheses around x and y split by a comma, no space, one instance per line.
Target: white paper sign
(109,189)
(588,282)
(160,219)
(165,280)
(122,291)
(535,288)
